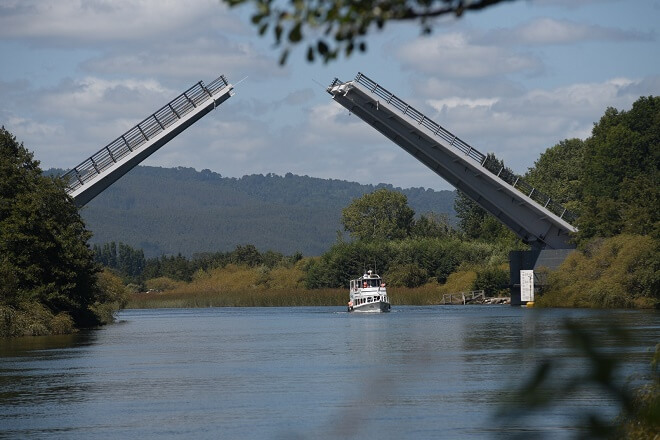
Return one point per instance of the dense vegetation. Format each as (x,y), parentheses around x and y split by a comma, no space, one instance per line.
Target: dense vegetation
(171,211)
(610,270)
(617,272)
(134,268)
(612,181)
(409,252)
(49,282)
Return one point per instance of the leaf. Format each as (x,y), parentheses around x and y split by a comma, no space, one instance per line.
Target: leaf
(284,56)
(295,35)
(322,47)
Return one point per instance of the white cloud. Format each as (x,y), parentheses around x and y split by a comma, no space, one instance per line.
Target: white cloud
(455,101)
(96,99)
(520,127)
(545,31)
(166,39)
(81,23)
(190,58)
(454,55)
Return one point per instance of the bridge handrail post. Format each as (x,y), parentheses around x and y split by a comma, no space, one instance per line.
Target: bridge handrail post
(126,142)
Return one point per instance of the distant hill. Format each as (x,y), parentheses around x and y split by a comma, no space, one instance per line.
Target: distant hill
(181,210)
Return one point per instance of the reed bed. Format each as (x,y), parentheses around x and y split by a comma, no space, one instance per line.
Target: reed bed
(242,298)
(424,295)
(241,286)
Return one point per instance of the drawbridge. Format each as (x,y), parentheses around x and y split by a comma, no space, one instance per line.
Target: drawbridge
(533,216)
(102,169)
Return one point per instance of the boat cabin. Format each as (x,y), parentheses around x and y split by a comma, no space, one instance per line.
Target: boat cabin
(367,280)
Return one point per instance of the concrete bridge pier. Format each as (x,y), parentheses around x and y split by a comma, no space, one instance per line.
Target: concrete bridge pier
(534,260)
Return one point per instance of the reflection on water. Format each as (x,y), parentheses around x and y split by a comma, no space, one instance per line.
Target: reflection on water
(418,372)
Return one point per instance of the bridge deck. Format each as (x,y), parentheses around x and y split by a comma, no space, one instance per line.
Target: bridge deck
(102,169)
(530,214)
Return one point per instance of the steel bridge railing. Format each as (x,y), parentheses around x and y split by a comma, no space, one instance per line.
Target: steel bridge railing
(137,136)
(492,167)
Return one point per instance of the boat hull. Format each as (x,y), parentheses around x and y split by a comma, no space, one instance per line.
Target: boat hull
(374,307)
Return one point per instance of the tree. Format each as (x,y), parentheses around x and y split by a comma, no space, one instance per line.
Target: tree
(431,225)
(342,26)
(43,241)
(557,172)
(620,175)
(474,221)
(248,254)
(380,215)
(493,280)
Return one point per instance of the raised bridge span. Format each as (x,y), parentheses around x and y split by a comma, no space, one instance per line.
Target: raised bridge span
(102,169)
(530,214)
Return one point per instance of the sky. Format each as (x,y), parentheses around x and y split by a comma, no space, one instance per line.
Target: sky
(514,80)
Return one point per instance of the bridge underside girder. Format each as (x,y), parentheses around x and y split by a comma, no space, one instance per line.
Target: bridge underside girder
(525,217)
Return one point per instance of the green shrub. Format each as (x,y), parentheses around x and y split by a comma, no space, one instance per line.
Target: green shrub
(33,319)
(493,280)
(407,275)
(618,272)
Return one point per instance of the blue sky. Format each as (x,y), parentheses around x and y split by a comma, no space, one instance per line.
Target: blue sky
(514,79)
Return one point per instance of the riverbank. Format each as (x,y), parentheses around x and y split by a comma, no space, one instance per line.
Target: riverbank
(255,297)
(33,319)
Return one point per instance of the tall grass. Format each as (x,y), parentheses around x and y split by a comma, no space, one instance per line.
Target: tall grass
(618,272)
(423,295)
(242,286)
(240,298)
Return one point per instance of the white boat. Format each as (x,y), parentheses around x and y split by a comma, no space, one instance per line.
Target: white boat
(368,294)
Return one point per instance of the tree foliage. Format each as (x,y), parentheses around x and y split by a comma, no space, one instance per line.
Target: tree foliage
(44,256)
(335,27)
(284,213)
(620,173)
(410,262)
(126,260)
(381,215)
(431,225)
(617,272)
(557,172)
(493,280)
(130,264)
(475,222)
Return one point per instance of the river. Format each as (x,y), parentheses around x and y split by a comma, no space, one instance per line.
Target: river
(309,373)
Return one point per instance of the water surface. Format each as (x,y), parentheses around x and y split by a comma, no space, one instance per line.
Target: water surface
(306,372)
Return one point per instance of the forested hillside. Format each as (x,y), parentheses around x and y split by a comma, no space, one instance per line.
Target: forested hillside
(181,210)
